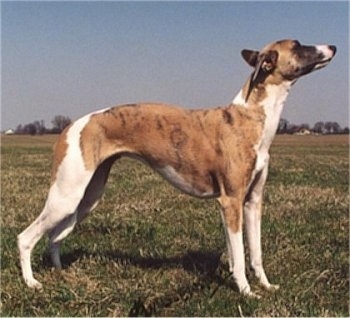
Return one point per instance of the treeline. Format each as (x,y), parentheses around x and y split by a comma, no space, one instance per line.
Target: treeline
(60,122)
(37,127)
(321,127)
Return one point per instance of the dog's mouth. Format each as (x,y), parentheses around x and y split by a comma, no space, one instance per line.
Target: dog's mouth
(321,64)
(322,55)
(328,54)
(314,66)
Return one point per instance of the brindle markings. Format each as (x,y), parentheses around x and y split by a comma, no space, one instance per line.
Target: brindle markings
(111,111)
(159,123)
(130,105)
(214,182)
(218,149)
(255,114)
(199,118)
(175,129)
(227,116)
(122,118)
(178,136)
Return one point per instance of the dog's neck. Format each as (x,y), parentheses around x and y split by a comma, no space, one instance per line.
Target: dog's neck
(271,97)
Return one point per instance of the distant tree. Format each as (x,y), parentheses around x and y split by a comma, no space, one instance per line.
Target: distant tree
(39,127)
(30,129)
(336,128)
(282,126)
(346,130)
(304,126)
(292,129)
(332,127)
(60,122)
(319,127)
(19,130)
(328,126)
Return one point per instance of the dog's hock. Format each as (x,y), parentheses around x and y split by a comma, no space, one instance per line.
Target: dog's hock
(27,273)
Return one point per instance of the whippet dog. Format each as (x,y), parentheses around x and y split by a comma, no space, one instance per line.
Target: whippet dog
(220,153)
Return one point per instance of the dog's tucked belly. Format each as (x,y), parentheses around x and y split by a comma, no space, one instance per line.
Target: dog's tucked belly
(204,186)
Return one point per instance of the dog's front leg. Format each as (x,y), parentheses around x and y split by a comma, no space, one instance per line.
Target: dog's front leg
(252,215)
(232,215)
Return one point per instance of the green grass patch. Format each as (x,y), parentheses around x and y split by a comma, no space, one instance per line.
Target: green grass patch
(150,250)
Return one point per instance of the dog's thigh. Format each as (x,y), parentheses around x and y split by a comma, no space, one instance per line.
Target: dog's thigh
(92,194)
(95,189)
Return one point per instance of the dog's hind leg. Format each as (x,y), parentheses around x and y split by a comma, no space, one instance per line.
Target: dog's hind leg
(57,234)
(95,188)
(89,201)
(60,209)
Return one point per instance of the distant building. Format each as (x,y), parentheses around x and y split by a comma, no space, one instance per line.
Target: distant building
(9,132)
(303,132)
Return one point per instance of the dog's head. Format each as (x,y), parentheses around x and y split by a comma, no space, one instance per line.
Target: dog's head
(287,60)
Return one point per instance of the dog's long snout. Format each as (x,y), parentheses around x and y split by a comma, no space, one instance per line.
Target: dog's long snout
(327,50)
(333,48)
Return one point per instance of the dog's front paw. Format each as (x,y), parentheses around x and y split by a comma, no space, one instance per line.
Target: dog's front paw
(249,293)
(252,295)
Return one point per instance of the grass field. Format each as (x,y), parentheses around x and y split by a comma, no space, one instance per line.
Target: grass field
(150,250)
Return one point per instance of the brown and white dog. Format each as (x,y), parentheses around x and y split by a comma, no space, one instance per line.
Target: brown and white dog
(218,153)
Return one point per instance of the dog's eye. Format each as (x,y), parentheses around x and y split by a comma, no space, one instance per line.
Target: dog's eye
(297,44)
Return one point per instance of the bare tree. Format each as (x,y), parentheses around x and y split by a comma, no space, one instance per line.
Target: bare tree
(282,126)
(39,127)
(332,127)
(59,123)
(319,127)
(336,128)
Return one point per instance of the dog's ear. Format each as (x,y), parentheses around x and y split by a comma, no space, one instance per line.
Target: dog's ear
(251,57)
(265,62)
(268,59)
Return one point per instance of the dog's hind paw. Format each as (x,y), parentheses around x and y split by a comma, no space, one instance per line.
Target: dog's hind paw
(33,283)
(272,287)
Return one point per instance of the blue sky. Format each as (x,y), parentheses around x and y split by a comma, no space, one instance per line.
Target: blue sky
(71,58)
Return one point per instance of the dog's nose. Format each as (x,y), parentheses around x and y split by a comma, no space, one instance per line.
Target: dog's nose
(333,48)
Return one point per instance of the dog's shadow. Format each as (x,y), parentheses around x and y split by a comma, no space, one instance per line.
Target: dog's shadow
(199,262)
(207,266)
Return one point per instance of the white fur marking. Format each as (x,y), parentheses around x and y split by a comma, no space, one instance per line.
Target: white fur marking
(253,231)
(239,99)
(273,106)
(325,50)
(237,253)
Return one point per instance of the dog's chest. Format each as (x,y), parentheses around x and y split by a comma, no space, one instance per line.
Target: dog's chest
(273,106)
